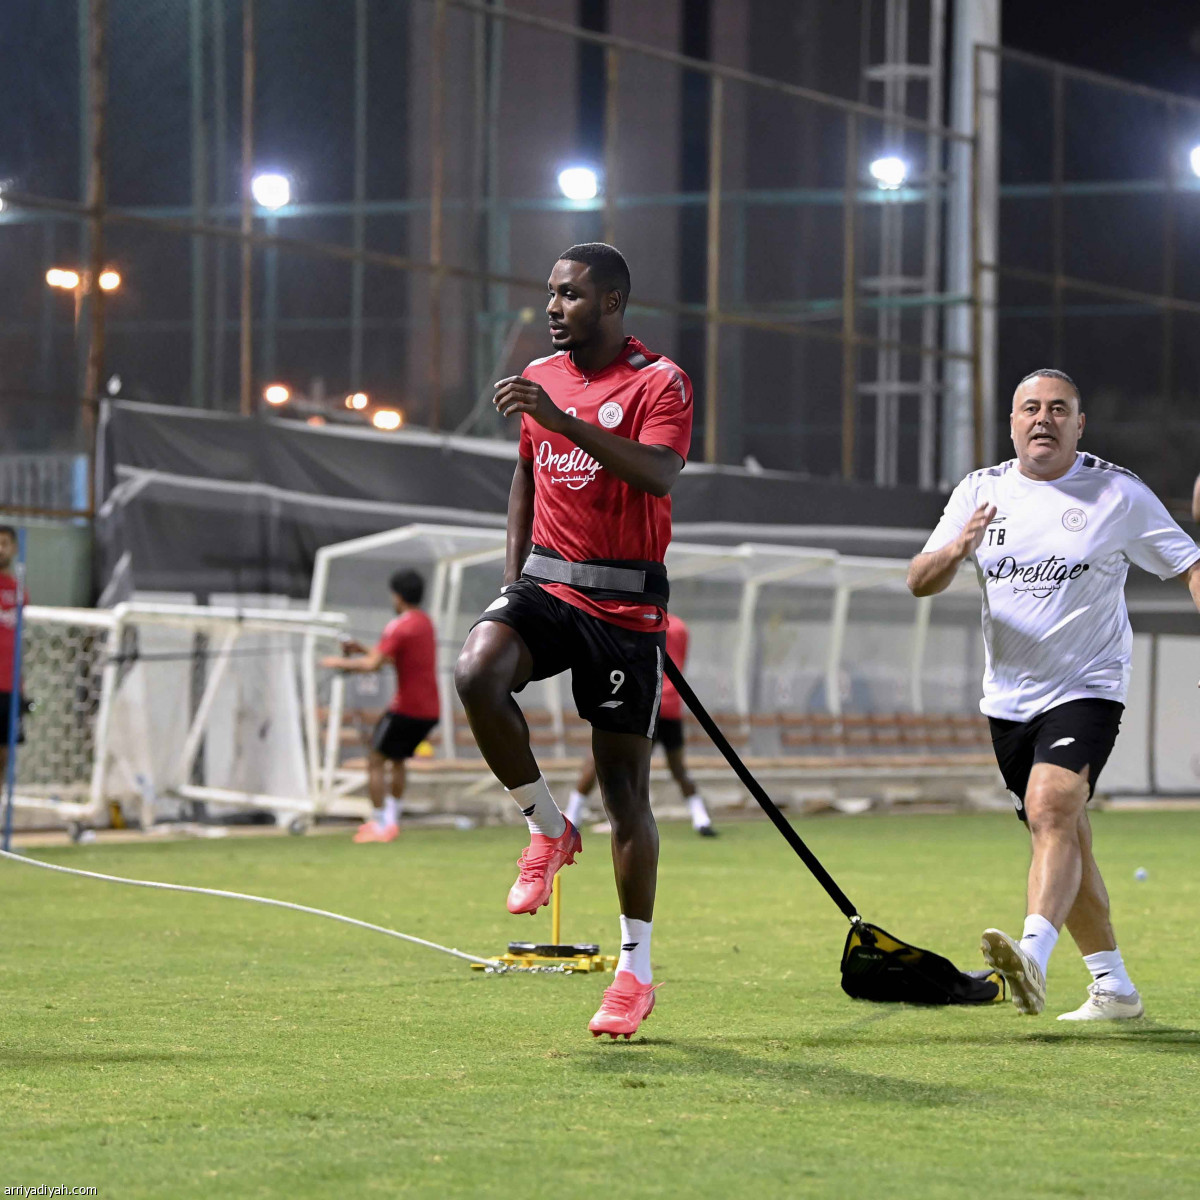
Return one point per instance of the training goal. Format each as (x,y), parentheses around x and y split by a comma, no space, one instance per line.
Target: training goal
(148,709)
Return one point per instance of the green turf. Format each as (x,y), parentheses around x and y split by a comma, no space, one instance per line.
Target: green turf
(165,1045)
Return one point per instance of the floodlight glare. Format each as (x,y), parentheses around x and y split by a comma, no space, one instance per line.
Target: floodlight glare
(578,183)
(109,280)
(387,418)
(1194,159)
(276,393)
(889,172)
(357,401)
(57,277)
(271,190)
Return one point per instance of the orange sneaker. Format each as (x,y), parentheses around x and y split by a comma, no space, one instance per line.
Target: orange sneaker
(626,1004)
(540,861)
(370,831)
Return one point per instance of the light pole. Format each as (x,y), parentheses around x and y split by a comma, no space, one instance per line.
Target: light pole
(272,191)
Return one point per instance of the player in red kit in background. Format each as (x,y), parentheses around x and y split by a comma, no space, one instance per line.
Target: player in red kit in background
(669,735)
(410,645)
(9,687)
(605,428)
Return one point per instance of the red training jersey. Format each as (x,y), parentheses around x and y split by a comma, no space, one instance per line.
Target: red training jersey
(671,704)
(410,643)
(581,510)
(8,630)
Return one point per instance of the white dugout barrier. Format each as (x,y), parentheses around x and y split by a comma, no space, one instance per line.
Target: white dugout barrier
(777,632)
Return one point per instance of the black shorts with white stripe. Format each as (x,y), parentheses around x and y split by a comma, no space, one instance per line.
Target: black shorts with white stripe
(1073,735)
(616,674)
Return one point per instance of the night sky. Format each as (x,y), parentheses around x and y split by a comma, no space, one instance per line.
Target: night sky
(1157,43)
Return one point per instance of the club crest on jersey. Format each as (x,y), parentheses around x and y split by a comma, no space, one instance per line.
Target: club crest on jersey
(575,467)
(1074,519)
(611,414)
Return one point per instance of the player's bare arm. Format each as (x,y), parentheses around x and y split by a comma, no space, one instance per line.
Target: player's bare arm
(1196,501)
(364,664)
(520,520)
(931,573)
(652,469)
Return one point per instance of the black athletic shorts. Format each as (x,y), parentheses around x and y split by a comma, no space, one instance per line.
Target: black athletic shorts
(669,734)
(5,709)
(616,674)
(1074,735)
(397,736)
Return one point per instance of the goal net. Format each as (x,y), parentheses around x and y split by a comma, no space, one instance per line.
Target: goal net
(154,706)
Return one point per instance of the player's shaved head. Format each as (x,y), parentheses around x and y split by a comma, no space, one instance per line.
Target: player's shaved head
(606,265)
(1050,373)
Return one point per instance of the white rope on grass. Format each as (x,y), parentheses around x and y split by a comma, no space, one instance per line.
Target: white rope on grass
(491,965)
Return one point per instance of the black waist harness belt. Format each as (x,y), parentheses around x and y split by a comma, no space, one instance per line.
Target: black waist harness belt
(631,580)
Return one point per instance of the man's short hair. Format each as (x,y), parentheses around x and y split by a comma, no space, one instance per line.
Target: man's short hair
(1053,373)
(607,265)
(408,585)
(12,533)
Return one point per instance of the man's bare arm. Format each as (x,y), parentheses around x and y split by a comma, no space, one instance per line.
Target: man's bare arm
(1192,578)
(934,572)
(652,469)
(520,520)
(360,664)
(1196,501)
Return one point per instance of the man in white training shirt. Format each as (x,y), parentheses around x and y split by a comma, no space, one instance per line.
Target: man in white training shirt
(1051,534)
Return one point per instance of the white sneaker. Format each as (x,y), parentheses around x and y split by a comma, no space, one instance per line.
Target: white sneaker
(1106,1006)
(1023,976)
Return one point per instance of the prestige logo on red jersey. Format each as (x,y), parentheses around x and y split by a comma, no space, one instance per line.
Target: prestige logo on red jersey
(576,468)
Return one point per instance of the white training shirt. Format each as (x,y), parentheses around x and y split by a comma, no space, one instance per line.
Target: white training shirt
(1052,566)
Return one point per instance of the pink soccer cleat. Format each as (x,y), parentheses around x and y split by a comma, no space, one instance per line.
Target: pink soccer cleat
(540,861)
(369,831)
(626,1004)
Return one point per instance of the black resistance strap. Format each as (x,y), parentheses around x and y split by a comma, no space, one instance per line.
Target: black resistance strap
(755,789)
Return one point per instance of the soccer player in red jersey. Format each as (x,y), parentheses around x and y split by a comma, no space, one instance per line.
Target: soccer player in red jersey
(410,645)
(669,735)
(605,430)
(9,687)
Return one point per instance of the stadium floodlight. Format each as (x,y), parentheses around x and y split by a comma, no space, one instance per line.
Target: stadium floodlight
(387,419)
(1194,159)
(59,278)
(271,190)
(316,420)
(276,394)
(889,172)
(578,183)
(357,401)
(109,280)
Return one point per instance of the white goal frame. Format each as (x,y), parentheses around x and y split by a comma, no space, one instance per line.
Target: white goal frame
(113,774)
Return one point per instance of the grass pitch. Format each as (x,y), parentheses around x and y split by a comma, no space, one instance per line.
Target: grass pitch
(160,1045)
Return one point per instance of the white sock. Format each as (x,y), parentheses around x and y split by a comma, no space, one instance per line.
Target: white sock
(700,816)
(391,811)
(1037,939)
(576,803)
(1110,966)
(379,816)
(635,948)
(538,808)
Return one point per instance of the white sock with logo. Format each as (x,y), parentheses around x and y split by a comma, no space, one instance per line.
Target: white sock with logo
(700,817)
(1109,966)
(1038,939)
(576,803)
(635,948)
(538,808)
(391,811)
